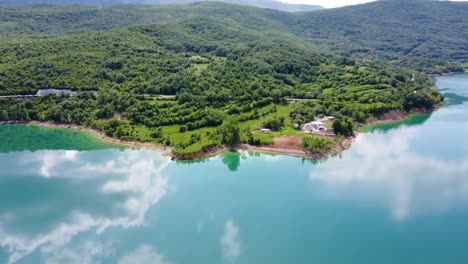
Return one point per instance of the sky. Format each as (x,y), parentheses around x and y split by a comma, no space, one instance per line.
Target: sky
(331,3)
(327,3)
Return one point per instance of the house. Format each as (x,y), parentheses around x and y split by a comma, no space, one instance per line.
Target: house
(44,92)
(318,125)
(313,127)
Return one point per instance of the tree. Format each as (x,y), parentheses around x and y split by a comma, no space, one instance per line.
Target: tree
(230,132)
(182,129)
(5,116)
(343,126)
(156,133)
(316,145)
(106,112)
(274,124)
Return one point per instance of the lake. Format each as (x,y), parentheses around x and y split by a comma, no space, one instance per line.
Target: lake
(399,195)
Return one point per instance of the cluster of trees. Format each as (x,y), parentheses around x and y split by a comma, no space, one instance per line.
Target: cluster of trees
(317,145)
(343,126)
(422,99)
(391,90)
(274,124)
(230,132)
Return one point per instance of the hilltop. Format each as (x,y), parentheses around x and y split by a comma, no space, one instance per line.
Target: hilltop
(416,33)
(271,4)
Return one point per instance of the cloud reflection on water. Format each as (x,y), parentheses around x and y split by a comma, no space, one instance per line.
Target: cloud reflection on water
(143,254)
(88,252)
(51,159)
(385,168)
(137,175)
(229,241)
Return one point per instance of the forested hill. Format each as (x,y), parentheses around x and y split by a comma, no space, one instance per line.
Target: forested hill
(412,33)
(272,4)
(197,76)
(430,36)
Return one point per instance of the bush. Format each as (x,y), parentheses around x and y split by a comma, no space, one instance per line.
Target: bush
(274,124)
(156,133)
(230,132)
(261,139)
(316,145)
(343,126)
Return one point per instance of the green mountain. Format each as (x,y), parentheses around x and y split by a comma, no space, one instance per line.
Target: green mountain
(426,35)
(176,73)
(272,4)
(414,33)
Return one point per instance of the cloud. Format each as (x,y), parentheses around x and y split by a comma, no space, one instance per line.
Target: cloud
(230,243)
(50,159)
(138,176)
(143,254)
(272,158)
(88,252)
(384,168)
(18,246)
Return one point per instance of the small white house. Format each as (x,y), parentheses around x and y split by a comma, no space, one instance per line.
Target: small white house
(318,125)
(313,127)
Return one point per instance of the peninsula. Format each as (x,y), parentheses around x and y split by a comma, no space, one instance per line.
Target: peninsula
(197,78)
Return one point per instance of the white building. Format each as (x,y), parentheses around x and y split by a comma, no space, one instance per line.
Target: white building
(313,127)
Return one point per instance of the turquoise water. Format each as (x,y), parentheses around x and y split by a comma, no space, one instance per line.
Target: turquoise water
(399,195)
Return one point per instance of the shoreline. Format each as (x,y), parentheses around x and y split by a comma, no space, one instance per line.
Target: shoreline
(448,73)
(165,151)
(338,146)
(393,116)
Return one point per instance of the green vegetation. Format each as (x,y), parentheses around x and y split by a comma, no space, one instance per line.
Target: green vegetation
(317,145)
(272,4)
(201,76)
(428,36)
(275,124)
(229,131)
(343,126)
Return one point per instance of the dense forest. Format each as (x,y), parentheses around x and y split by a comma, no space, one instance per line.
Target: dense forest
(198,76)
(430,36)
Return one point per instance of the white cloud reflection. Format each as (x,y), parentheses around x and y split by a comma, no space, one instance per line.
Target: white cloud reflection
(229,241)
(137,174)
(89,252)
(143,254)
(383,167)
(50,159)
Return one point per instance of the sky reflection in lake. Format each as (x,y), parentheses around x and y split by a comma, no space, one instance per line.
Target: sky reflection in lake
(103,189)
(399,195)
(416,168)
(387,167)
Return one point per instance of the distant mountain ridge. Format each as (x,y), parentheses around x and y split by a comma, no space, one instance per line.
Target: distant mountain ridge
(272,4)
(427,35)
